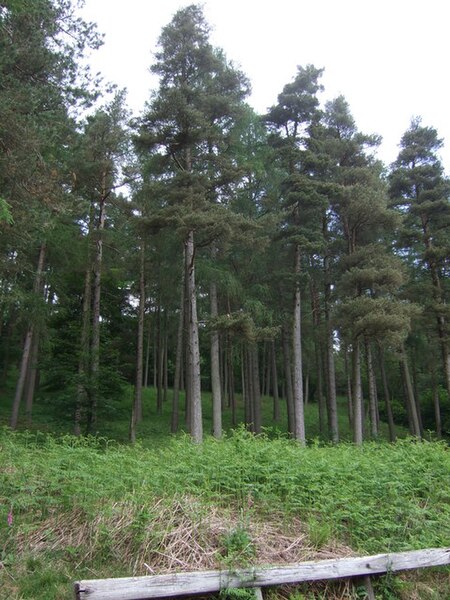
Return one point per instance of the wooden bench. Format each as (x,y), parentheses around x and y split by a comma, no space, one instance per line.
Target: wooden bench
(205,582)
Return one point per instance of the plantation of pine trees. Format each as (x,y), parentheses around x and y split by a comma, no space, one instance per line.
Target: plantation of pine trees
(202,247)
(202,268)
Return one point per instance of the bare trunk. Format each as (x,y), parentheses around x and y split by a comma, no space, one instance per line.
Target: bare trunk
(387,397)
(132,430)
(231,386)
(437,411)
(244,386)
(306,388)
(31,378)
(330,370)
(416,391)
(299,424)
(440,307)
(155,355)
(83,361)
(166,362)
(248,387)
(288,381)
(193,344)
(7,353)
(95,343)
(321,403)
(22,376)
(178,360)
(140,340)
(147,355)
(348,377)
(276,400)
(318,356)
(37,289)
(224,374)
(358,425)
(215,367)
(410,394)
(373,399)
(256,396)
(160,363)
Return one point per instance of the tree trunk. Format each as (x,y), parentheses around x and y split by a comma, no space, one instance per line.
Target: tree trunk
(193,344)
(28,342)
(224,374)
(330,370)
(373,399)
(231,386)
(440,306)
(276,400)
(248,386)
(7,352)
(387,397)
(256,396)
(155,353)
(166,361)
(178,360)
(215,367)
(95,344)
(306,388)
(288,381)
(348,377)
(22,376)
(268,355)
(147,354)
(299,418)
(140,340)
(410,393)
(321,402)
(31,379)
(358,425)
(160,363)
(132,430)
(84,357)
(244,385)
(437,411)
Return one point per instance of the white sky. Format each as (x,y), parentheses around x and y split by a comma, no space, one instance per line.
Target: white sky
(389,58)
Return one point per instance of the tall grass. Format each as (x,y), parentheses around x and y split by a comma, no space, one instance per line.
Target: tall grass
(96,507)
(378,497)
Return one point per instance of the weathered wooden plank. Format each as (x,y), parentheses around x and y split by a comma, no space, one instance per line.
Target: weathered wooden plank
(179,584)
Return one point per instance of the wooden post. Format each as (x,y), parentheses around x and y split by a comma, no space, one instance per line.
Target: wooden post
(366,583)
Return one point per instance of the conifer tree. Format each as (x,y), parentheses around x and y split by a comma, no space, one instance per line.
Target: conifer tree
(291,120)
(40,46)
(187,122)
(103,146)
(421,193)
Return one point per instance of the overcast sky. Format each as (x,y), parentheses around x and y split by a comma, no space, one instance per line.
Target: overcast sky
(389,58)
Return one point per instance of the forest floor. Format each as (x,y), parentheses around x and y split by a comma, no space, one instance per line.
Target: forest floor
(93,507)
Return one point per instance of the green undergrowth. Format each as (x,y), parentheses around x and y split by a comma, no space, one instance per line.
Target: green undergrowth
(90,507)
(113,420)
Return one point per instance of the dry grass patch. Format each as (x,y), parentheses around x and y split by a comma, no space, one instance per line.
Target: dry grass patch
(177,534)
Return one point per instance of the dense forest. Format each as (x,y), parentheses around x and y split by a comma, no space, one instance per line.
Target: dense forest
(199,246)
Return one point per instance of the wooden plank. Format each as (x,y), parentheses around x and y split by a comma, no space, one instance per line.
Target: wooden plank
(179,584)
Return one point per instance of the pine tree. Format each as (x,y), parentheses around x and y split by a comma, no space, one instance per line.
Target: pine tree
(421,193)
(40,46)
(290,120)
(187,122)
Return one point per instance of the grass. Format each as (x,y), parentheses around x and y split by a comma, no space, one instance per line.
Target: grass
(97,507)
(93,508)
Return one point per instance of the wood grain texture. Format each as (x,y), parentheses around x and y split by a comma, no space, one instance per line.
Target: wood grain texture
(179,584)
